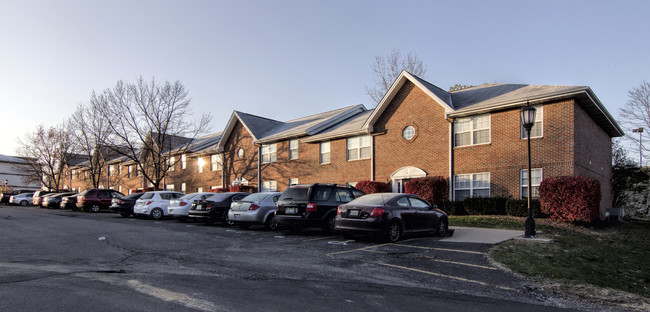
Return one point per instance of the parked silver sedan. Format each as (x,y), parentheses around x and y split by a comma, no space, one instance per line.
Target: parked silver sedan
(258,208)
(179,208)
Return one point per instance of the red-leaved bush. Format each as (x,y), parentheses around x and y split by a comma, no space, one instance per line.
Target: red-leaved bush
(370,187)
(219,190)
(434,189)
(243,188)
(570,198)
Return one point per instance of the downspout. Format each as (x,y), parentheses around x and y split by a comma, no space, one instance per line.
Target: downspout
(451,158)
(223,170)
(259,168)
(372,158)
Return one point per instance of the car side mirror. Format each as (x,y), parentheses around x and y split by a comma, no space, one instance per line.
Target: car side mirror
(434,206)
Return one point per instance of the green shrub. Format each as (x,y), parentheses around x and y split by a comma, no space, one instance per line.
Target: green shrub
(519,208)
(485,205)
(453,208)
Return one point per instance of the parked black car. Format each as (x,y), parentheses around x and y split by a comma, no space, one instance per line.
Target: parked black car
(214,208)
(124,205)
(391,215)
(312,205)
(69,202)
(95,200)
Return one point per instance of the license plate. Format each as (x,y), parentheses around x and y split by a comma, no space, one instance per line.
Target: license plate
(354,213)
(199,207)
(291,210)
(236,217)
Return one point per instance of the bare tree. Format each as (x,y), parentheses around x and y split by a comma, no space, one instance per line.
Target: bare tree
(636,114)
(149,124)
(46,152)
(388,67)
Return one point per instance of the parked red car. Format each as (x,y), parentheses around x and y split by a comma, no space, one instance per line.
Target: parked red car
(95,200)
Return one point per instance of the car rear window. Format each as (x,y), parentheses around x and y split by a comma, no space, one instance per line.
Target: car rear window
(132,196)
(219,197)
(371,199)
(255,197)
(189,196)
(147,196)
(295,193)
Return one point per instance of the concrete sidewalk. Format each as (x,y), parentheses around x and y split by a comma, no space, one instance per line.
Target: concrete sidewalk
(480,235)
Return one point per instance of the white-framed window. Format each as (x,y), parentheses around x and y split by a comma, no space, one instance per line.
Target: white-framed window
(471,185)
(537,131)
(119,188)
(119,169)
(111,170)
(214,187)
(199,163)
(293,149)
(183,187)
(169,187)
(359,147)
(172,163)
(325,152)
(536,179)
(293,181)
(269,186)
(215,162)
(139,171)
(269,153)
(240,153)
(472,130)
(408,133)
(130,174)
(199,190)
(183,161)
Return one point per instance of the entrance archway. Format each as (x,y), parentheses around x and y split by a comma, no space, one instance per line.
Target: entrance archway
(402,175)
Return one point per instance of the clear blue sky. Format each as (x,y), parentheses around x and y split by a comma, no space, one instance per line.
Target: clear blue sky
(287,59)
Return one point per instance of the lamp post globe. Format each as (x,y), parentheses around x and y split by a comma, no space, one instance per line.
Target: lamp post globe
(527,121)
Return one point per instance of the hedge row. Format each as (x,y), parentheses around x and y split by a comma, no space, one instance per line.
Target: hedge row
(370,187)
(434,189)
(570,198)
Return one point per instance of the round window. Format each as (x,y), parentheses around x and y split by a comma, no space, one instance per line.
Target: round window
(408,132)
(240,153)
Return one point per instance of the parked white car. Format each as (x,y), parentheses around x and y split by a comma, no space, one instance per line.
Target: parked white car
(180,208)
(154,204)
(23,199)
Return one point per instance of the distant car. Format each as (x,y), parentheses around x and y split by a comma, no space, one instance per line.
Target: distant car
(54,200)
(44,199)
(38,197)
(94,200)
(124,205)
(391,215)
(180,208)
(5,197)
(69,202)
(312,205)
(154,204)
(254,209)
(215,208)
(21,199)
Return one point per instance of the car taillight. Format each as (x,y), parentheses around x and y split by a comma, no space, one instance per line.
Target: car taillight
(377,212)
(253,207)
(149,202)
(277,207)
(121,202)
(182,204)
(82,198)
(312,207)
(338,210)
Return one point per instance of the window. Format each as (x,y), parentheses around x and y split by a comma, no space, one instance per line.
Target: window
(344,195)
(199,163)
(171,163)
(111,170)
(536,179)
(169,187)
(359,147)
(183,187)
(293,181)
(240,153)
(215,161)
(408,133)
(199,190)
(139,172)
(325,152)
(471,185)
(119,188)
(130,173)
(418,204)
(269,153)
(537,131)
(293,149)
(269,186)
(119,169)
(472,130)
(183,162)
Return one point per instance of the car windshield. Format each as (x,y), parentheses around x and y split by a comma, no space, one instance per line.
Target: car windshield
(219,197)
(255,197)
(372,199)
(189,196)
(295,193)
(147,196)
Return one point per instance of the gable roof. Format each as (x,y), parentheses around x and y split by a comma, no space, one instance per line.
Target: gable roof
(489,97)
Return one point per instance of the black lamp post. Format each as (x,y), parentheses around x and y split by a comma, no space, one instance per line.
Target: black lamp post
(527,121)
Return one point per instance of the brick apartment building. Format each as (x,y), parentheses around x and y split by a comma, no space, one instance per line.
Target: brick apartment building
(472,136)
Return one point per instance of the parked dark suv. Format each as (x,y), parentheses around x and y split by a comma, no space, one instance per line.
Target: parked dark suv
(95,200)
(312,205)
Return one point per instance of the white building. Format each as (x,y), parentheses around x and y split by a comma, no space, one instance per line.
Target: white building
(10,172)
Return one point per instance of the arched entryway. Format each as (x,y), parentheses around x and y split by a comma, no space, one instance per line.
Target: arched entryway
(402,175)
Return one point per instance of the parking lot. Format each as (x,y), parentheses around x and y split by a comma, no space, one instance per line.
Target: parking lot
(60,260)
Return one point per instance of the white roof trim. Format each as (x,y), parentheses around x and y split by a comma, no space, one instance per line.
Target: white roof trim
(388,97)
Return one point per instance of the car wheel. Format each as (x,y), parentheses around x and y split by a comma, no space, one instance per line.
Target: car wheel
(226,220)
(125,214)
(394,232)
(23,203)
(243,226)
(330,224)
(156,213)
(441,229)
(270,223)
(95,208)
